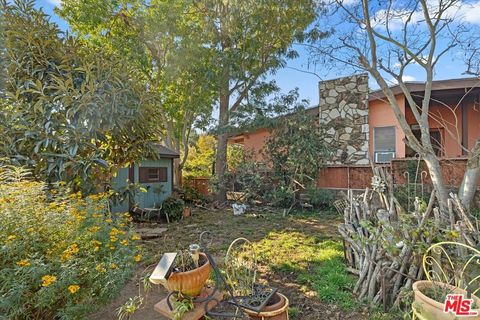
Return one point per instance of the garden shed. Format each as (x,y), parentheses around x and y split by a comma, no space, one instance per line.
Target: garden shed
(154,175)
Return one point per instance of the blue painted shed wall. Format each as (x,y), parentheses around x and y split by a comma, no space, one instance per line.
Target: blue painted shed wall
(151,197)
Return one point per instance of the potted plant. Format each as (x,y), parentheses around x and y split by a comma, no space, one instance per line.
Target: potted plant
(276,309)
(189,274)
(429,300)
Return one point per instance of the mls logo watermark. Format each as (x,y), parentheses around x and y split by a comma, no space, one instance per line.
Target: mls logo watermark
(459,305)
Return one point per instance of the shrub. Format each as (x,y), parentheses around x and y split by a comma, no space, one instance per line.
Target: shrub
(252,178)
(174,208)
(405,195)
(282,196)
(191,195)
(60,254)
(322,199)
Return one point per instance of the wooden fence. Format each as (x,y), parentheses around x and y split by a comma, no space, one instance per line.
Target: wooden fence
(201,185)
(360,176)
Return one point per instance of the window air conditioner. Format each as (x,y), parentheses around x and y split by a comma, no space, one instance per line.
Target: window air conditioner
(384,156)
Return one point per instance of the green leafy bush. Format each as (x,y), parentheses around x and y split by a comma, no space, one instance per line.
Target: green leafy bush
(405,195)
(282,196)
(321,198)
(60,254)
(252,177)
(191,194)
(174,208)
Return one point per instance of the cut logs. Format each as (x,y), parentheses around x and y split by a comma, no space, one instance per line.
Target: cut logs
(385,244)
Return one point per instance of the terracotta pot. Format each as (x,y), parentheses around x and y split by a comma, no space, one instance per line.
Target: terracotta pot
(276,311)
(187,212)
(191,282)
(428,308)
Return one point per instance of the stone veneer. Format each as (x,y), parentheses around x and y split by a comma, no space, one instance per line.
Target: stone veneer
(344,118)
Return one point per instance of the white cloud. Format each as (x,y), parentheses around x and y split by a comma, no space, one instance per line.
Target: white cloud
(56,3)
(407,78)
(350,2)
(463,11)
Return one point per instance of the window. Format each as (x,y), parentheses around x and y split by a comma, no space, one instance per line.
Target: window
(152,174)
(436,138)
(384,144)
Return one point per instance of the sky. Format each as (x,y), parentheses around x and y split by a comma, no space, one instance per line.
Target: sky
(290,77)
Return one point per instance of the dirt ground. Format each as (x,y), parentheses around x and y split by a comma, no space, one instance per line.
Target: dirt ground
(225,228)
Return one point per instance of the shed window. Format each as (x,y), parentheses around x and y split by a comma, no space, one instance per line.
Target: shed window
(153,174)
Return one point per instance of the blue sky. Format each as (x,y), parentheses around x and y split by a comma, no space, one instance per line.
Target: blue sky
(288,78)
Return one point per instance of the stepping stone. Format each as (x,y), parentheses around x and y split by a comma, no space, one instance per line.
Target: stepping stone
(150,233)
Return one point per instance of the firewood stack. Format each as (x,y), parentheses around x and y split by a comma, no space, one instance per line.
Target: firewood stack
(385,244)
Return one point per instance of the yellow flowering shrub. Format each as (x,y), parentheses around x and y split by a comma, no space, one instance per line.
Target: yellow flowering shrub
(60,254)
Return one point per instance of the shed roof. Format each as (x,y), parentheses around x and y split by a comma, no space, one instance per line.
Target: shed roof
(165,152)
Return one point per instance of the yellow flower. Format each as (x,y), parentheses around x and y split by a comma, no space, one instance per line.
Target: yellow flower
(74,248)
(113,239)
(11,238)
(135,237)
(48,280)
(94,229)
(113,266)
(67,254)
(73,288)
(23,263)
(138,257)
(30,230)
(100,268)
(124,242)
(114,232)
(112,247)
(108,220)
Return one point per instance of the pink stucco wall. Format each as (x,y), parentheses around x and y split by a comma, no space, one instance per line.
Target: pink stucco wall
(381,115)
(254,142)
(446,118)
(473,124)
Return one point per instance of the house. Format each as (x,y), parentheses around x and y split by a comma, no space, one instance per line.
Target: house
(154,175)
(361,126)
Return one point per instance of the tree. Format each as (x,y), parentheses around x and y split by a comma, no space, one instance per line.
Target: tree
(72,111)
(385,39)
(250,39)
(201,158)
(161,40)
(296,151)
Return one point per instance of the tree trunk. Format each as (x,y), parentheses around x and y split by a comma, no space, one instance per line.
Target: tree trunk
(469,185)
(177,172)
(438,182)
(221,156)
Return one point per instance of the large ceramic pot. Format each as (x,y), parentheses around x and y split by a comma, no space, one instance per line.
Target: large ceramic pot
(190,282)
(277,310)
(428,308)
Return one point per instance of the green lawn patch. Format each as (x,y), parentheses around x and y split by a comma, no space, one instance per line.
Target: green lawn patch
(315,263)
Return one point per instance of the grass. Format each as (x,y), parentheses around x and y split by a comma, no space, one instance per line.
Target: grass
(316,264)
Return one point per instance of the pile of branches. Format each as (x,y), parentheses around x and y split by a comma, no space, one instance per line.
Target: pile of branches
(385,244)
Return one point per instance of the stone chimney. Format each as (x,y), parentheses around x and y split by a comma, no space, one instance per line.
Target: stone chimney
(344,118)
